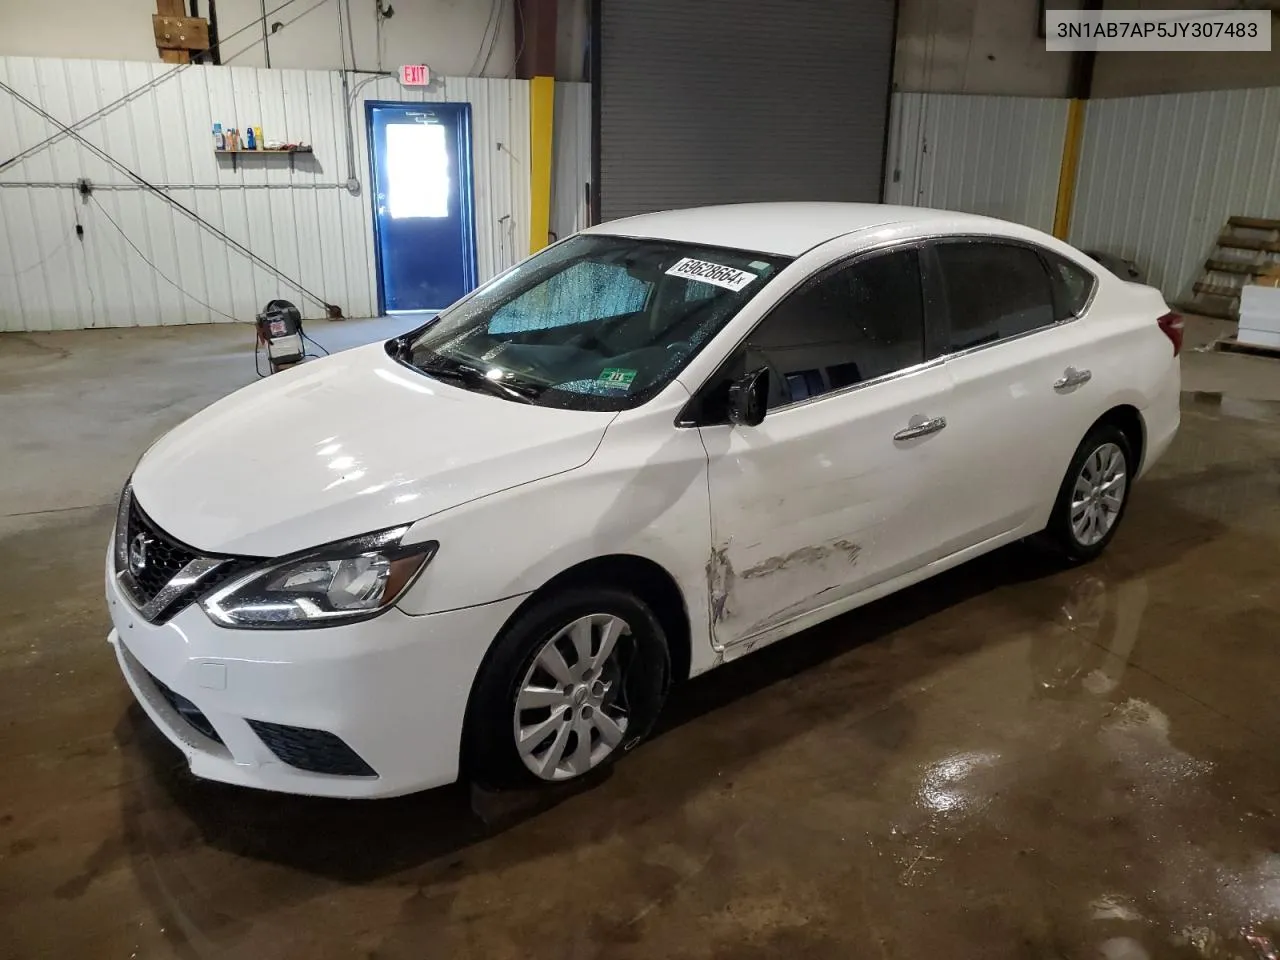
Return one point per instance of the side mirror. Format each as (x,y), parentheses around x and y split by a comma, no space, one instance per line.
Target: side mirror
(749,398)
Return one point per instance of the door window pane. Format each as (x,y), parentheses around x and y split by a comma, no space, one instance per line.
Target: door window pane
(854,324)
(994,291)
(1073,286)
(417,170)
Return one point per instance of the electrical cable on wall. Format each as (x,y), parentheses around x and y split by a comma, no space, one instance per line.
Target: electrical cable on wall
(44,259)
(331,309)
(515,61)
(125,98)
(349,98)
(493,41)
(160,273)
(342,39)
(485,42)
(351,33)
(275,28)
(348,135)
(381,14)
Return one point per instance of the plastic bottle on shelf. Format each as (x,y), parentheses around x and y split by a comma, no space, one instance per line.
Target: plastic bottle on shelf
(219,140)
(249,142)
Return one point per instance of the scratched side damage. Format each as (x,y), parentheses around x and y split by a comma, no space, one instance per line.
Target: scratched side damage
(810,554)
(720,577)
(804,556)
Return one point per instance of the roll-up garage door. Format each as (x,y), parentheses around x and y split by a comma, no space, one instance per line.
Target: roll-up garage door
(724,101)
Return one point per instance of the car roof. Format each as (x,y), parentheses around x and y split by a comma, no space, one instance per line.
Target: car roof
(788,229)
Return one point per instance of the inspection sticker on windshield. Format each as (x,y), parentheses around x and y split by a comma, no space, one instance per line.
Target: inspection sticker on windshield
(728,277)
(616,377)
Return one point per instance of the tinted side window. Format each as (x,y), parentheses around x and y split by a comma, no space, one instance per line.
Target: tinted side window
(994,291)
(1072,286)
(854,324)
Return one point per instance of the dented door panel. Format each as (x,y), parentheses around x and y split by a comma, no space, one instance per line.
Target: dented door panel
(820,501)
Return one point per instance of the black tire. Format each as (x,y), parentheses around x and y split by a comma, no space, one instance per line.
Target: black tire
(490,756)
(1060,531)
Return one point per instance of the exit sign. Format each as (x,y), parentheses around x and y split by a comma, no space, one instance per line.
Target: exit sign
(415,75)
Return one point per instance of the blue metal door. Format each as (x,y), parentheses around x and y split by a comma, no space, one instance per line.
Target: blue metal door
(424,226)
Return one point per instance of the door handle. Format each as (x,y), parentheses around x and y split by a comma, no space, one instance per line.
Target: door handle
(921,427)
(1071,377)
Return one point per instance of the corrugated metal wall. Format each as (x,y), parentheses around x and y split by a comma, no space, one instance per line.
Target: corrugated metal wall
(998,156)
(1160,175)
(571,158)
(304,220)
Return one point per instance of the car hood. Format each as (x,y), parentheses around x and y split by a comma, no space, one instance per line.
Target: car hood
(343,446)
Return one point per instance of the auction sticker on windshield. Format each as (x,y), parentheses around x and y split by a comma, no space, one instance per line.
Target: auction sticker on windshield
(728,277)
(616,377)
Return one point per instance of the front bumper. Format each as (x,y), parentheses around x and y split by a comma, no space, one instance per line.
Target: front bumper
(393,689)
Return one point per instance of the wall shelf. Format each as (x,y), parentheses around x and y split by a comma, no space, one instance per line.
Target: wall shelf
(235,154)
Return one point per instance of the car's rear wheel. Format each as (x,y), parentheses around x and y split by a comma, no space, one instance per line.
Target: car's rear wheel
(1094,493)
(574,682)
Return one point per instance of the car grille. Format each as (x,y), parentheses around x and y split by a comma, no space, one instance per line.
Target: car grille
(165,556)
(312,750)
(149,586)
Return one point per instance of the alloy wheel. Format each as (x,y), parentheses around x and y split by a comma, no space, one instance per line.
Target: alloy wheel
(570,709)
(1098,494)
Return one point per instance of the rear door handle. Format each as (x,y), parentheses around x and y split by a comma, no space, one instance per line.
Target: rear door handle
(921,427)
(1071,377)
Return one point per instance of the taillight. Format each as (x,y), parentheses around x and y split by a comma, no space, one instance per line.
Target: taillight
(1171,325)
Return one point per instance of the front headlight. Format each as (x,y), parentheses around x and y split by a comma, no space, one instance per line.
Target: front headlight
(338,583)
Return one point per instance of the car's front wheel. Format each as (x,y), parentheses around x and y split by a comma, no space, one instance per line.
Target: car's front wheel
(1094,493)
(573,682)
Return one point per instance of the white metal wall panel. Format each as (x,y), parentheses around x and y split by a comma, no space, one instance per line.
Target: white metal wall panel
(1159,176)
(303,220)
(571,158)
(997,156)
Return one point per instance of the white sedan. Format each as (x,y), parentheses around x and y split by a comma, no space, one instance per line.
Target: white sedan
(489,547)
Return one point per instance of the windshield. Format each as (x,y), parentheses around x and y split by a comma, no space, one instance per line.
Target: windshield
(593,323)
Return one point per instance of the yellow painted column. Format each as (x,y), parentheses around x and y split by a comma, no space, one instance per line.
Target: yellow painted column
(542,101)
(1070,165)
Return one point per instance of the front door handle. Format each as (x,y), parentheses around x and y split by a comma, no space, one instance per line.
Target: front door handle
(921,427)
(1071,377)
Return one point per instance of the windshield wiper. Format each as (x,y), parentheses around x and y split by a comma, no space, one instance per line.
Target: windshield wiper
(446,368)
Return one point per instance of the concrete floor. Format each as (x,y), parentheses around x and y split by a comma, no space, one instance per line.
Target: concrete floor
(1009,761)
